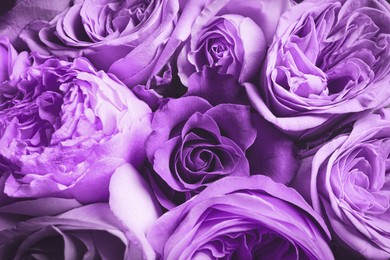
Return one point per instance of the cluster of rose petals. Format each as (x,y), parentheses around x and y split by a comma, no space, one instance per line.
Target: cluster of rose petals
(348,183)
(242,218)
(232,44)
(90,231)
(68,127)
(193,144)
(230,37)
(59,228)
(112,34)
(328,59)
(194,129)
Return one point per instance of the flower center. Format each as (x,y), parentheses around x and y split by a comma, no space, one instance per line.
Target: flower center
(218,50)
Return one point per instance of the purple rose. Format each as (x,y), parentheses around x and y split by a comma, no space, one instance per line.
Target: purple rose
(329,59)
(230,37)
(347,181)
(232,44)
(242,218)
(58,228)
(15,15)
(87,232)
(212,29)
(67,128)
(194,144)
(122,37)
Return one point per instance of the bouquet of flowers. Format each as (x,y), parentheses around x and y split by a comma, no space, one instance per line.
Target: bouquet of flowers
(194,129)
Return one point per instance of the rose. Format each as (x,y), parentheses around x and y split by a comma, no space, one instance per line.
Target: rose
(64,229)
(68,127)
(194,144)
(347,181)
(217,35)
(122,37)
(328,60)
(15,15)
(88,231)
(242,218)
(233,42)
(192,147)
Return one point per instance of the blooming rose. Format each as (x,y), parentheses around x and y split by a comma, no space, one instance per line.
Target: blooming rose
(58,228)
(233,44)
(347,181)
(242,218)
(88,232)
(123,37)
(230,37)
(68,127)
(15,15)
(194,144)
(328,59)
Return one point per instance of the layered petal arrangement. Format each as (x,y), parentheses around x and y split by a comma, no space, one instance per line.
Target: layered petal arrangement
(74,234)
(230,37)
(66,126)
(328,60)
(242,218)
(194,129)
(348,183)
(110,33)
(194,144)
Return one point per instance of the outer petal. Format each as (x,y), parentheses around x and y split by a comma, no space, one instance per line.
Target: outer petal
(174,234)
(273,153)
(132,201)
(215,88)
(235,123)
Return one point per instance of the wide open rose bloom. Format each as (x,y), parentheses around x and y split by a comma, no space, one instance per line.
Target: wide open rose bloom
(67,128)
(328,59)
(347,181)
(123,37)
(194,144)
(242,218)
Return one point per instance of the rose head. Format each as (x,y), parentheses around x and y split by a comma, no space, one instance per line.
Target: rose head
(194,144)
(242,218)
(68,127)
(327,60)
(231,37)
(88,232)
(232,44)
(348,183)
(112,34)
(59,228)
